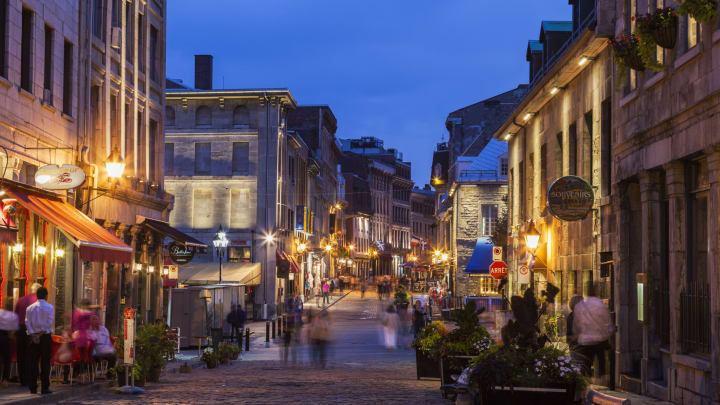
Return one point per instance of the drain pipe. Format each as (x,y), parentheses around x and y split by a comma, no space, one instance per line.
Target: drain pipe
(94,174)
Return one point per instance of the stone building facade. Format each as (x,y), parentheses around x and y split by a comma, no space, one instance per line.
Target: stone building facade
(422,220)
(666,188)
(73,90)
(226,154)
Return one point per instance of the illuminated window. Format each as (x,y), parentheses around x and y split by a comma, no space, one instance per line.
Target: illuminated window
(693,32)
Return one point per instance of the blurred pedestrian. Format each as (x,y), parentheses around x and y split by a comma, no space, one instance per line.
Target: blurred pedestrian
(379,290)
(9,324)
(39,320)
(21,338)
(326,292)
(362,290)
(103,349)
(570,336)
(591,325)
(390,322)
(236,319)
(320,336)
(81,324)
(418,317)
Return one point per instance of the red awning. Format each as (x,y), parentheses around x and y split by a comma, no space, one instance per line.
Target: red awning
(95,243)
(294,266)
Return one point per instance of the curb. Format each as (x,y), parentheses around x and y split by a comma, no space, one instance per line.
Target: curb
(60,396)
(336,301)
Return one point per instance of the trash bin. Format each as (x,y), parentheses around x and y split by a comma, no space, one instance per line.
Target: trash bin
(217,336)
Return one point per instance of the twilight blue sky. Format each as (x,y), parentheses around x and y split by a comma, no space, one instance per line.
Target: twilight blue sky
(392,69)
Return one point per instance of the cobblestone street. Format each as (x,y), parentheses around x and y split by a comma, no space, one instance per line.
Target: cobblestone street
(360,371)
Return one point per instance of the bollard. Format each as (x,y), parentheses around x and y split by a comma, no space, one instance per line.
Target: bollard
(267,332)
(285,322)
(273,330)
(247,339)
(280,328)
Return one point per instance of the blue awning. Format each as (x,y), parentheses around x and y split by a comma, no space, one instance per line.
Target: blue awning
(481,258)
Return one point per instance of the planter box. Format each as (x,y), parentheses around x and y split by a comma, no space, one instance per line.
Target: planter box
(666,37)
(425,366)
(528,395)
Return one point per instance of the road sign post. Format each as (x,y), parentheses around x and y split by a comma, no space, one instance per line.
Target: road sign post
(129,353)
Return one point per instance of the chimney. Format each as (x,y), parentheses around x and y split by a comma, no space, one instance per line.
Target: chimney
(203,72)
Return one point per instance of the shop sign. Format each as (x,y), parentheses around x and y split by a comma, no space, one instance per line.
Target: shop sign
(498,270)
(173,272)
(129,336)
(181,254)
(570,198)
(54,177)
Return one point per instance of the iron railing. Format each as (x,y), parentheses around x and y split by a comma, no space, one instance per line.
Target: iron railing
(467,175)
(695,318)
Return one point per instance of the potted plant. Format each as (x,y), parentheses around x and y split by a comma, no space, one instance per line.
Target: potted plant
(402,300)
(526,368)
(210,358)
(427,346)
(701,10)
(660,27)
(234,351)
(627,55)
(153,346)
(469,339)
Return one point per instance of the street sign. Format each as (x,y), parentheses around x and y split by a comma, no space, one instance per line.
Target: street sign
(54,177)
(497,253)
(129,336)
(523,274)
(498,269)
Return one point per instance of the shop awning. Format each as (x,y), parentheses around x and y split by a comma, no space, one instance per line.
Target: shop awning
(165,229)
(481,258)
(207,273)
(95,243)
(294,265)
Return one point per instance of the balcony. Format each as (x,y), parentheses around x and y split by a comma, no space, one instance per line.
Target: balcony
(480,175)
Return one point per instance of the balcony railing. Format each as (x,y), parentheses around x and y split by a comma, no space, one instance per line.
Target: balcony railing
(471,175)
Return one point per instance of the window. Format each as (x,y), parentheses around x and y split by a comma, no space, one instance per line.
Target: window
(489,218)
(141,42)
(572,150)
(503,167)
(588,147)
(67,78)
(95,115)
(129,31)
(26,50)
(169,116)
(241,117)
(129,137)
(693,32)
(169,159)
(606,146)
(521,190)
(241,158)
(141,163)
(630,23)
(98,19)
(543,175)
(291,169)
(202,158)
(698,218)
(48,71)
(114,126)
(152,150)
(559,155)
(238,254)
(116,17)
(659,54)
(3,37)
(154,59)
(203,116)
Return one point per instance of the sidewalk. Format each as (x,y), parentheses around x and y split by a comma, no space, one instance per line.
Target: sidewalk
(17,395)
(633,399)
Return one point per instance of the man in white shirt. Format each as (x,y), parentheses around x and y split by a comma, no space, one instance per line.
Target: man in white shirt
(8,325)
(592,327)
(40,319)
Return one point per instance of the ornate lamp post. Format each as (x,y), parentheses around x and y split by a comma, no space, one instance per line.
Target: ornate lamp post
(220,242)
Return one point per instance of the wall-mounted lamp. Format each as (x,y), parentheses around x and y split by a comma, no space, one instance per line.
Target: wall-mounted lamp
(554,90)
(41,250)
(301,247)
(583,60)
(18,247)
(166,270)
(151,269)
(138,266)
(444,257)
(508,136)
(527,116)
(269,238)
(351,247)
(59,252)
(115,164)
(532,237)
(328,248)
(349,262)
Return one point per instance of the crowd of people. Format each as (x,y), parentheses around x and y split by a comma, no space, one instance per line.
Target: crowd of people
(28,333)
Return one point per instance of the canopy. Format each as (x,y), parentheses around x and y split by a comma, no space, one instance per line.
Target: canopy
(481,258)
(95,243)
(207,273)
(172,233)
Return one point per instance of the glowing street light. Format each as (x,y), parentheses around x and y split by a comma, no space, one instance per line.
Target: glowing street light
(115,164)
(532,237)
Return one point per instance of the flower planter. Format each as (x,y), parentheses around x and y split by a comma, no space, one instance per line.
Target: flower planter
(634,61)
(425,366)
(153,375)
(528,395)
(450,365)
(666,37)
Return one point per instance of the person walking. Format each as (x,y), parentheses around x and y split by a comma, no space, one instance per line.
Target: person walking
(362,290)
(39,320)
(21,338)
(591,325)
(390,322)
(326,292)
(9,324)
(379,290)
(570,337)
(320,336)
(418,317)
(236,319)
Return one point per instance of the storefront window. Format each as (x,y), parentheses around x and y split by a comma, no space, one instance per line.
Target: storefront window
(238,254)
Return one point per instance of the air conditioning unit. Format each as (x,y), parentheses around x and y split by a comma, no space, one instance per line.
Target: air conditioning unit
(116,38)
(47,96)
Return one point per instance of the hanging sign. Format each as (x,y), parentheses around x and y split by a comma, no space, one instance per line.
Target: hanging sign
(498,270)
(129,336)
(570,198)
(54,177)
(523,274)
(497,253)
(181,254)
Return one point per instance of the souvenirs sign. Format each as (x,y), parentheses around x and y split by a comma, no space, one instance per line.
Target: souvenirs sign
(181,254)
(54,177)
(570,198)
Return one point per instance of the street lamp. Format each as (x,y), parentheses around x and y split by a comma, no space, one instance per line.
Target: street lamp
(532,237)
(220,242)
(115,164)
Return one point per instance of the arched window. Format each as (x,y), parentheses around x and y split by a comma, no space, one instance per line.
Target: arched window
(241,118)
(203,116)
(169,116)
